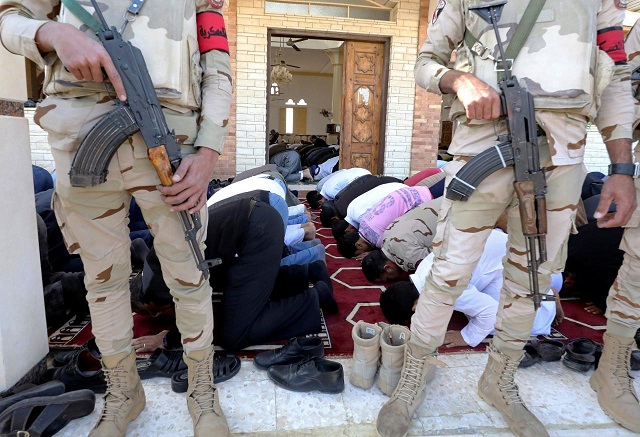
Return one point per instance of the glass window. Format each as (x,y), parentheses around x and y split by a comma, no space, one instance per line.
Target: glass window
(289,120)
(358,9)
(329,11)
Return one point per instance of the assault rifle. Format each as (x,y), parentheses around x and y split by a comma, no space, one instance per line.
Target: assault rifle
(518,148)
(140,113)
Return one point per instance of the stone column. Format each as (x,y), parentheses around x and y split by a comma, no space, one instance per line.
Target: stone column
(336,55)
(23,329)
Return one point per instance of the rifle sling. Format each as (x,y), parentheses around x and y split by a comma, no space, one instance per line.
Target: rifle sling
(521,34)
(83,15)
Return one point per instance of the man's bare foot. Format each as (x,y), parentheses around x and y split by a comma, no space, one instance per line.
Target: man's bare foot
(593,308)
(306,174)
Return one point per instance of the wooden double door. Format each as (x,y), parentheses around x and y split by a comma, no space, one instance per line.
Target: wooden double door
(363,108)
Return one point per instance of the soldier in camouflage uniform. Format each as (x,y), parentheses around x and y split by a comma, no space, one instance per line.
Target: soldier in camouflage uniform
(611,380)
(573,63)
(192,78)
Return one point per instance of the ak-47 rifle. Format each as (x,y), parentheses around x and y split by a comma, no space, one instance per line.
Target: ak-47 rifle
(519,147)
(141,112)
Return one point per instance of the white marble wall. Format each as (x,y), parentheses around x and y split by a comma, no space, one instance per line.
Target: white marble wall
(23,330)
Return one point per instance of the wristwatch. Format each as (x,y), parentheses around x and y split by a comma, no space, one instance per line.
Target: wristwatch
(626,169)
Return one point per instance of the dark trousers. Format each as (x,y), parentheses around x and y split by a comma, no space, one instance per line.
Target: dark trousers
(249,314)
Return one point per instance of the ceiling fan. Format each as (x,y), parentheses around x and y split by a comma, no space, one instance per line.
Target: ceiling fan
(281,62)
(292,43)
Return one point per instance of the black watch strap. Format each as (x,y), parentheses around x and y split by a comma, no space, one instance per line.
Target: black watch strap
(626,169)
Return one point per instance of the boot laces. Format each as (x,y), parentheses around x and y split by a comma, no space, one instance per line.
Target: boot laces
(509,386)
(203,392)
(114,398)
(410,380)
(622,368)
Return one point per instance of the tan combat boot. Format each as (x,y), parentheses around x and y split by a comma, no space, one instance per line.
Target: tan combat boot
(202,396)
(497,387)
(392,345)
(366,354)
(124,399)
(611,380)
(418,369)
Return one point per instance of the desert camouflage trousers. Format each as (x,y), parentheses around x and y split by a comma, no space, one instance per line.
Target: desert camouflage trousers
(623,303)
(94,222)
(463,228)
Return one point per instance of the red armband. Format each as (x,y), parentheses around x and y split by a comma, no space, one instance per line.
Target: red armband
(611,40)
(212,34)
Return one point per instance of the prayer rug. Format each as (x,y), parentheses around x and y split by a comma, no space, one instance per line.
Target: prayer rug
(358,300)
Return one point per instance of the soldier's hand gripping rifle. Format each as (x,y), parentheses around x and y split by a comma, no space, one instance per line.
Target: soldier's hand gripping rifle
(141,112)
(520,149)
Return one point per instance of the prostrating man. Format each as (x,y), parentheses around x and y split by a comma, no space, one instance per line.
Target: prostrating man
(370,234)
(564,73)
(333,184)
(405,243)
(479,301)
(260,300)
(193,84)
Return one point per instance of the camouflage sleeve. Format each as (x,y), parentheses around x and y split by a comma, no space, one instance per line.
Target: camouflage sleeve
(615,114)
(632,47)
(216,85)
(405,254)
(19,23)
(445,32)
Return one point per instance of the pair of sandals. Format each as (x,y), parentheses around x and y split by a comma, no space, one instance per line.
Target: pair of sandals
(42,410)
(541,350)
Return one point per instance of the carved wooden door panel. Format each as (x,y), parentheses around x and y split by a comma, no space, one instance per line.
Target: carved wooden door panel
(362,106)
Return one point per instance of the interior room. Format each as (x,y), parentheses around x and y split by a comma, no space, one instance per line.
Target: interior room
(305,90)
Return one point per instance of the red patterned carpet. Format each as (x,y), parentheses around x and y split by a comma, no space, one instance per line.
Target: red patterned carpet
(358,300)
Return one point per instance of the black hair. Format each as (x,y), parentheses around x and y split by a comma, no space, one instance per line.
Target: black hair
(327,213)
(338,228)
(373,265)
(313,197)
(347,244)
(397,302)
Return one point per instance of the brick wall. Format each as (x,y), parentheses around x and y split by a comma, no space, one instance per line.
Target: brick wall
(40,150)
(426,115)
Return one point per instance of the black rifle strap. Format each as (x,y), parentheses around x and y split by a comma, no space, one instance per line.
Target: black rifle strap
(521,34)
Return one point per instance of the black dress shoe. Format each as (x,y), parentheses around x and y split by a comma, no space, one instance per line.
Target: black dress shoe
(83,371)
(295,350)
(581,354)
(309,375)
(63,358)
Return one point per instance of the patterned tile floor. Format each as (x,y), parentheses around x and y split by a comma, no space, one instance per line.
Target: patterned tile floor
(254,406)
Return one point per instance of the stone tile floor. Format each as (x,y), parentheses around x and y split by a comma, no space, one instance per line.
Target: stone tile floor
(254,406)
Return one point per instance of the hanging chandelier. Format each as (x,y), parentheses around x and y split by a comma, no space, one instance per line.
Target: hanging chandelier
(281,75)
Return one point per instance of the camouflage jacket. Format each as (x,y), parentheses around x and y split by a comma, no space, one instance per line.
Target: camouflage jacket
(632,46)
(186,81)
(560,64)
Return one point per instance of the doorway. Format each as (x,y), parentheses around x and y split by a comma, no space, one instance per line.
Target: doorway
(332,86)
